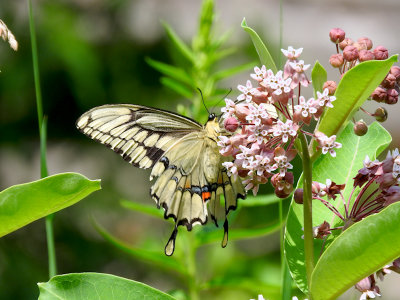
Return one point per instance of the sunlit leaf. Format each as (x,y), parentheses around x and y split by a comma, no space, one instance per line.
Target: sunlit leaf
(260,200)
(358,252)
(263,53)
(341,169)
(97,286)
(24,203)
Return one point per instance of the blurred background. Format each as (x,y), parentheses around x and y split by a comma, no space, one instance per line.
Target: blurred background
(92,52)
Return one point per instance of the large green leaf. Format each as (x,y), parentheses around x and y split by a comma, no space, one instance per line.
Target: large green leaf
(358,252)
(24,203)
(341,169)
(263,53)
(97,286)
(354,88)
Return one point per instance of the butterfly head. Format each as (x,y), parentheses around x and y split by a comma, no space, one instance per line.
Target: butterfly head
(212,117)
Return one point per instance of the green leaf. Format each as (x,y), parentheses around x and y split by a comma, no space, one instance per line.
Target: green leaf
(178,43)
(260,200)
(341,169)
(97,286)
(354,88)
(233,71)
(318,77)
(177,87)
(215,235)
(157,258)
(171,71)
(263,53)
(146,209)
(24,203)
(358,252)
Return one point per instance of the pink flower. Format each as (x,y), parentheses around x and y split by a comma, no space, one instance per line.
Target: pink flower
(225,145)
(260,74)
(285,129)
(324,99)
(229,108)
(231,169)
(292,53)
(258,114)
(247,91)
(304,110)
(299,76)
(327,144)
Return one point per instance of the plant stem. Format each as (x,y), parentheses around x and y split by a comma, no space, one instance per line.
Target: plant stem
(43,136)
(307,204)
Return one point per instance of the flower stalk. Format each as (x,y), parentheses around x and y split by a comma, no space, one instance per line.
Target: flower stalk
(307,198)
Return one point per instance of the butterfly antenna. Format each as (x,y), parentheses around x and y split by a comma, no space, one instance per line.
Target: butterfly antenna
(202,98)
(230,91)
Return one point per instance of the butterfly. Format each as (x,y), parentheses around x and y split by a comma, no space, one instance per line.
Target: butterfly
(183,155)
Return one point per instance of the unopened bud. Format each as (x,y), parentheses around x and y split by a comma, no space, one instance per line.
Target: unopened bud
(360,46)
(366,41)
(231,124)
(380,114)
(298,196)
(336,60)
(381,53)
(392,96)
(337,35)
(395,71)
(365,55)
(331,86)
(389,82)
(346,42)
(360,128)
(350,53)
(379,95)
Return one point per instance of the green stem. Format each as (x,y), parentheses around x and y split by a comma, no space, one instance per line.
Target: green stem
(307,204)
(280,34)
(42,122)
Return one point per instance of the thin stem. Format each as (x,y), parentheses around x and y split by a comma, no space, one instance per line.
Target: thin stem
(307,200)
(42,122)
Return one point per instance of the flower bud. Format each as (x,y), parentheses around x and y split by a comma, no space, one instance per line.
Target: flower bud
(360,46)
(337,35)
(365,55)
(381,53)
(298,196)
(350,53)
(331,86)
(241,111)
(231,124)
(379,95)
(346,42)
(392,96)
(389,82)
(366,41)
(360,128)
(336,60)
(395,71)
(380,114)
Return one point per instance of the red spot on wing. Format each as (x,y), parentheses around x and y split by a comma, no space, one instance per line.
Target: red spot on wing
(205,196)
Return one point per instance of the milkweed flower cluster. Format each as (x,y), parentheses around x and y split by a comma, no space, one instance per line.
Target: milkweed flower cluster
(7,35)
(266,119)
(379,184)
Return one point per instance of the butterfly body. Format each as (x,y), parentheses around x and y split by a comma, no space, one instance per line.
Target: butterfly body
(182,153)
